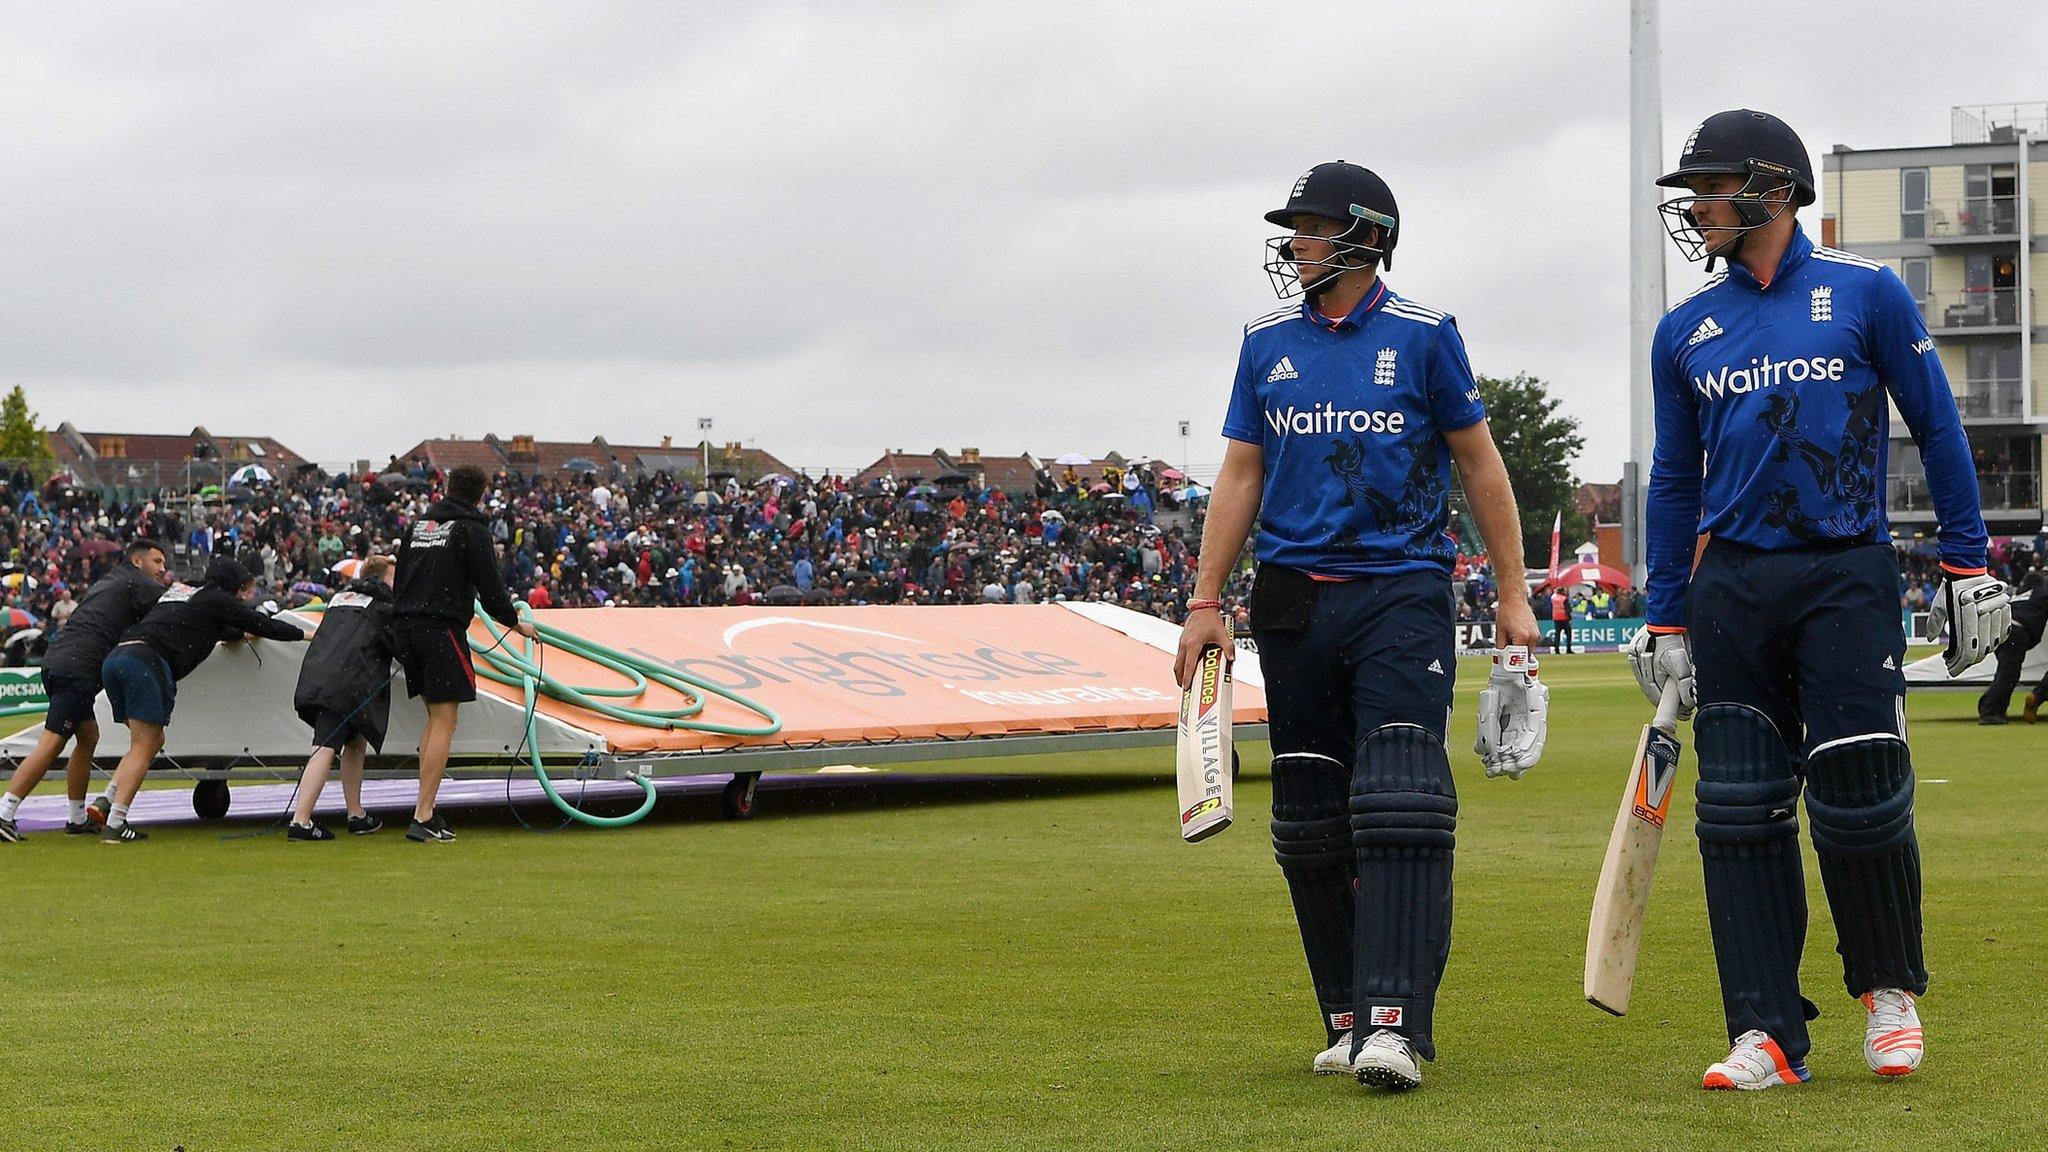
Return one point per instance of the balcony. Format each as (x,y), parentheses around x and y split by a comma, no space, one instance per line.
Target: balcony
(1997,398)
(1974,310)
(1979,219)
(1997,492)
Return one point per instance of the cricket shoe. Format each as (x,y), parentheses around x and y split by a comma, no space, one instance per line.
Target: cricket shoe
(122,834)
(297,831)
(363,825)
(1755,1062)
(97,811)
(2031,711)
(1387,1060)
(1336,1058)
(10,833)
(435,831)
(1892,1044)
(81,827)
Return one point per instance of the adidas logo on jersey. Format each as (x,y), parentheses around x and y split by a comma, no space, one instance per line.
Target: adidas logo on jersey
(1890,665)
(1705,332)
(1436,666)
(1823,304)
(1284,370)
(1383,368)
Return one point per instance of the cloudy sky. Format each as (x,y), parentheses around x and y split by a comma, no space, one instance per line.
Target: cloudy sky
(838,228)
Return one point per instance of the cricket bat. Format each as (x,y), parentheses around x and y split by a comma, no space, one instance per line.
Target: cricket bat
(1202,749)
(1623,896)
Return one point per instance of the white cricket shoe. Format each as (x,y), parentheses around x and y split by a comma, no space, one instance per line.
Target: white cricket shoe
(1336,1058)
(1387,1059)
(1755,1062)
(1892,1044)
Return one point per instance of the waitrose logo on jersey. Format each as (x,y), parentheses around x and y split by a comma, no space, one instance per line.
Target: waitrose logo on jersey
(1330,418)
(1763,372)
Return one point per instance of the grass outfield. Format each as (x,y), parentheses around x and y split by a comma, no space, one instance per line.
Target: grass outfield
(1025,964)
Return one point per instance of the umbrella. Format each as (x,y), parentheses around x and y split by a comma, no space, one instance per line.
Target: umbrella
(16,580)
(210,490)
(772,478)
(952,477)
(720,474)
(675,498)
(1072,460)
(251,474)
(1194,492)
(579,464)
(400,480)
(14,618)
(1099,489)
(1051,514)
(1599,574)
(1137,461)
(349,568)
(311,589)
(705,498)
(1172,474)
(97,547)
(1113,496)
(924,490)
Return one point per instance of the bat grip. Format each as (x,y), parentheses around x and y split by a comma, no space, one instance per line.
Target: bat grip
(1667,708)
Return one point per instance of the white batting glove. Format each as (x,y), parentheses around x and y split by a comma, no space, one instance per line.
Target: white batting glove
(1514,711)
(1976,611)
(1658,658)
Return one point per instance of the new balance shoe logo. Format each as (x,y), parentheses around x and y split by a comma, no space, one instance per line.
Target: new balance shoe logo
(1823,304)
(1385,1016)
(1705,332)
(1284,370)
(1383,368)
(1436,666)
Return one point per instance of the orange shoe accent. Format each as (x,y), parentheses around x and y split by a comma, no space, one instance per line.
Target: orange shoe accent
(1718,1080)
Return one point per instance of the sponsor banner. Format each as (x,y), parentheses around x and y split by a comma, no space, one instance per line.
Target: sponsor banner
(21,686)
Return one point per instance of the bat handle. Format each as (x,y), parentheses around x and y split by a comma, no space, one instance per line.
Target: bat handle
(1667,708)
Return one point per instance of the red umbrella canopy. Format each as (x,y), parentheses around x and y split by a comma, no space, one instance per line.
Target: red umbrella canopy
(1600,574)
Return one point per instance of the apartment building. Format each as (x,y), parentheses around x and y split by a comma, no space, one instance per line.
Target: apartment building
(1963,225)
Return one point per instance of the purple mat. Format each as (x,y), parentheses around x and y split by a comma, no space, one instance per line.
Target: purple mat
(165,806)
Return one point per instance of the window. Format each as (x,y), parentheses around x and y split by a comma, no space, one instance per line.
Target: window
(1915,271)
(1912,203)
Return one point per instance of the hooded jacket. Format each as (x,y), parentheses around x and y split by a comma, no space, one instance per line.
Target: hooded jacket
(446,562)
(188,621)
(110,607)
(348,665)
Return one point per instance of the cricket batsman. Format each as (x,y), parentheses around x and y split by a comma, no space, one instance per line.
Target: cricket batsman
(1770,383)
(1348,411)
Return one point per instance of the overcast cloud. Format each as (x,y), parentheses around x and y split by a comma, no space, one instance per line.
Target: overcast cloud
(839,228)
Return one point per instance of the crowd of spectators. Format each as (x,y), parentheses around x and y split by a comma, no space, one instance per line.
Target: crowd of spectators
(582,540)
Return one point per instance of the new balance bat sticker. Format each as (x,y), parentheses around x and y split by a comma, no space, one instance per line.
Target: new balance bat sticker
(1202,751)
(1623,897)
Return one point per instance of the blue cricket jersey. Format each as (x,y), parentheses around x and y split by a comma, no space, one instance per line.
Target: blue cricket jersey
(1351,418)
(1772,424)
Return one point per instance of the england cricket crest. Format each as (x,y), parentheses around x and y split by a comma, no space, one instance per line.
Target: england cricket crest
(1653,787)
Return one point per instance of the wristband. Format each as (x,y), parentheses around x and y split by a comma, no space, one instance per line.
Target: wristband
(1198,605)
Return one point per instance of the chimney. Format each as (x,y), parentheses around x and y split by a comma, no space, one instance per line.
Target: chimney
(522,451)
(667,442)
(970,456)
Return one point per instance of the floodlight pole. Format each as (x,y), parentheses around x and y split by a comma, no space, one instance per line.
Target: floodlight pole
(1646,272)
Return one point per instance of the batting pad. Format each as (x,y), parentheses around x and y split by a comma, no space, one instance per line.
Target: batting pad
(1859,799)
(1756,893)
(1404,819)
(1312,841)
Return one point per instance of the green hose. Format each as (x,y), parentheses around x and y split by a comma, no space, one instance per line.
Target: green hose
(523,670)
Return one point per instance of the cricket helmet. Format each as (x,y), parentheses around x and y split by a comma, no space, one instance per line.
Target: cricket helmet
(1741,142)
(1351,195)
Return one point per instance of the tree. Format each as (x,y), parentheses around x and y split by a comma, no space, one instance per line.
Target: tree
(21,435)
(1538,446)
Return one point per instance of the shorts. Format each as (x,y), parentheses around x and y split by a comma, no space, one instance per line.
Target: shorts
(436,659)
(139,684)
(332,729)
(71,700)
